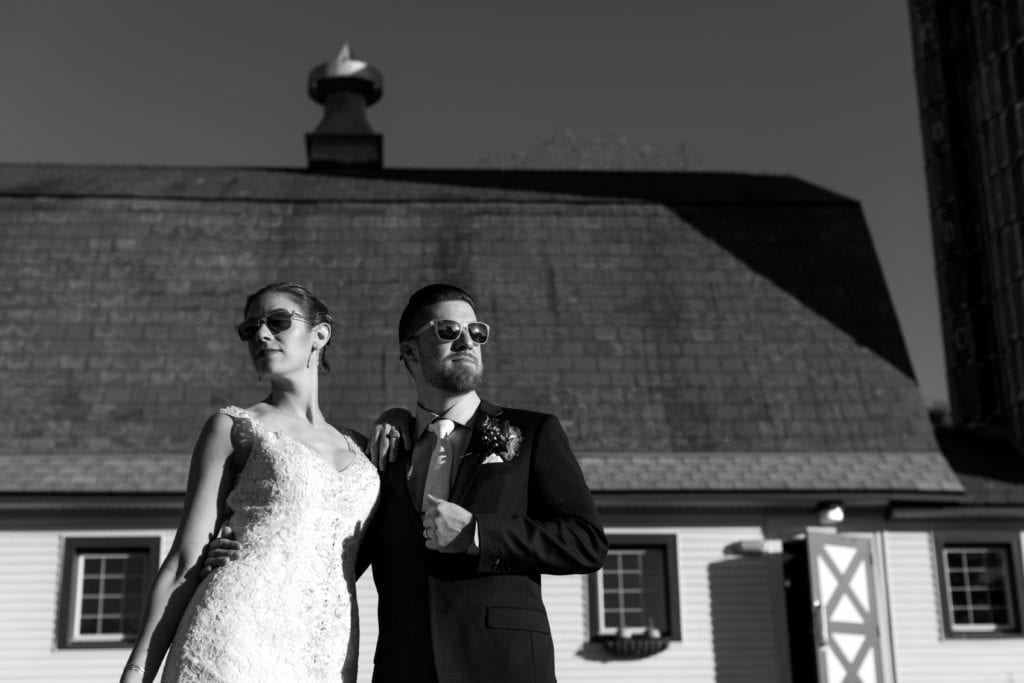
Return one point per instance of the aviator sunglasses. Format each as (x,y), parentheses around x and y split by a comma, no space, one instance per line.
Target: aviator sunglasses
(450,330)
(277,320)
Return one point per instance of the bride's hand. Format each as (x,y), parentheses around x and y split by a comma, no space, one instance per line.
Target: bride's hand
(392,425)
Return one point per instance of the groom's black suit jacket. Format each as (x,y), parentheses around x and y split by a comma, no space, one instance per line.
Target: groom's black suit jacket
(459,617)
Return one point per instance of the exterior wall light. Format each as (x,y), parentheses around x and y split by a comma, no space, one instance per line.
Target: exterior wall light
(831,513)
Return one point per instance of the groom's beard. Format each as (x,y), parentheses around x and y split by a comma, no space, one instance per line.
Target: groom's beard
(456,377)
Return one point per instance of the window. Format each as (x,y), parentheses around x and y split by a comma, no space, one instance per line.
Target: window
(105,584)
(980,580)
(638,587)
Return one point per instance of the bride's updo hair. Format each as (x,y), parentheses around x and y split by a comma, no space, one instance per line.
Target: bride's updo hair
(311,307)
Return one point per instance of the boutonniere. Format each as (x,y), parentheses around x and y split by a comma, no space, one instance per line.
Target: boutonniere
(500,437)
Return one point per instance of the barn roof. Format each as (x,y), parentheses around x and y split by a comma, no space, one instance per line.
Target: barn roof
(636,472)
(702,318)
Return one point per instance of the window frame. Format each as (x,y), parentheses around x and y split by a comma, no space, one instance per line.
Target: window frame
(1008,541)
(70,593)
(595,583)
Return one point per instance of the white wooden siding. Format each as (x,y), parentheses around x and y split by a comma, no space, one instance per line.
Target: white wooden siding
(30,579)
(741,640)
(729,606)
(366,598)
(30,583)
(921,653)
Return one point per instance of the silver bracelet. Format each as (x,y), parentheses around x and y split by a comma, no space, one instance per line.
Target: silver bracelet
(136,668)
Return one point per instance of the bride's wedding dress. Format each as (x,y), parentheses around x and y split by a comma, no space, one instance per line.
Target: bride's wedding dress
(286,610)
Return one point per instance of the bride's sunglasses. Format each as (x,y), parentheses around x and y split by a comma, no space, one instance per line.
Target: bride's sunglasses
(450,330)
(277,320)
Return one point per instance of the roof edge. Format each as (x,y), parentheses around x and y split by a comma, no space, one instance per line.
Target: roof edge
(92,502)
(970,511)
(262,184)
(747,499)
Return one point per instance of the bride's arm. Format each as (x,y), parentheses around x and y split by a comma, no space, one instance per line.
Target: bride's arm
(210,477)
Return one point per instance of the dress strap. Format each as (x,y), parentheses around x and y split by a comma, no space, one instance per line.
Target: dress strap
(236,412)
(243,429)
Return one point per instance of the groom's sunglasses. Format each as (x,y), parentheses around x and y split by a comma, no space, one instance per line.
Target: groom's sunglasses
(450,330)
(277,320)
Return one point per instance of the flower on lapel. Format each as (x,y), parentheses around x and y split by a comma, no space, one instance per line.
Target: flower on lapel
(500,437)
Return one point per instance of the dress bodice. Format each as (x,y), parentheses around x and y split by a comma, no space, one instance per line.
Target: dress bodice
(287,497)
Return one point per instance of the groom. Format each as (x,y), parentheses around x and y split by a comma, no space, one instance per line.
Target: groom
(488,500)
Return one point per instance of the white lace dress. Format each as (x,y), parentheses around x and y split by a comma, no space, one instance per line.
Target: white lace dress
(286,610)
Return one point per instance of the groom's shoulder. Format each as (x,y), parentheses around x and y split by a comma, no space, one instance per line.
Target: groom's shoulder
(517,416)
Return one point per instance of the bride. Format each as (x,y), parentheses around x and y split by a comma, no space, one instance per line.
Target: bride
(298,493)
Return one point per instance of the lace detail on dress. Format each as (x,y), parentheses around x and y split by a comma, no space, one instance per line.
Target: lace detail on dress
(286,610)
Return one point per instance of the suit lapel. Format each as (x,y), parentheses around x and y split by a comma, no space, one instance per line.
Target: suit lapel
(469,463)
(397,473)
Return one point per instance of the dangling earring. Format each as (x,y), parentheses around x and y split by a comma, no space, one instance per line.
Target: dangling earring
(311,352)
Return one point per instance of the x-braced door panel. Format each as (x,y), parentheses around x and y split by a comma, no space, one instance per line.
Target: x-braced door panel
(843,609)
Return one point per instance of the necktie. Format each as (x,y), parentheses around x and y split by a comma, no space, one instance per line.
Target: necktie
(439,469)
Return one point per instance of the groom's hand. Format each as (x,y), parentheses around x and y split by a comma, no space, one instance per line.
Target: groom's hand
(221,551)
(448,527)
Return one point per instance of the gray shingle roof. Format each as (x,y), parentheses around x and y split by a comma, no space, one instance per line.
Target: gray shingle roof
(773,472)
(670,313)
(93,473)
(654,472)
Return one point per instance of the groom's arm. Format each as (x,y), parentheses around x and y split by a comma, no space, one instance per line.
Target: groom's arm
(561,532)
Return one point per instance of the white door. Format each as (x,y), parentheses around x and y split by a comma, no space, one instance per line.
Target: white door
(844,609)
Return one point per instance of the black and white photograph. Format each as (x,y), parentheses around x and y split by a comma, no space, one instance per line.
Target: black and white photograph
(467,342)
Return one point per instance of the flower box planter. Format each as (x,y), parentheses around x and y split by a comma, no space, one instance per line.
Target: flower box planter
(635,647)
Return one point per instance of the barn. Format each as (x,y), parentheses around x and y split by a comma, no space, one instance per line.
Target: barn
(720,348)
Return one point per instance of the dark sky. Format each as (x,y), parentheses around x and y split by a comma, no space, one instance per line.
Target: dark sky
(820,89)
